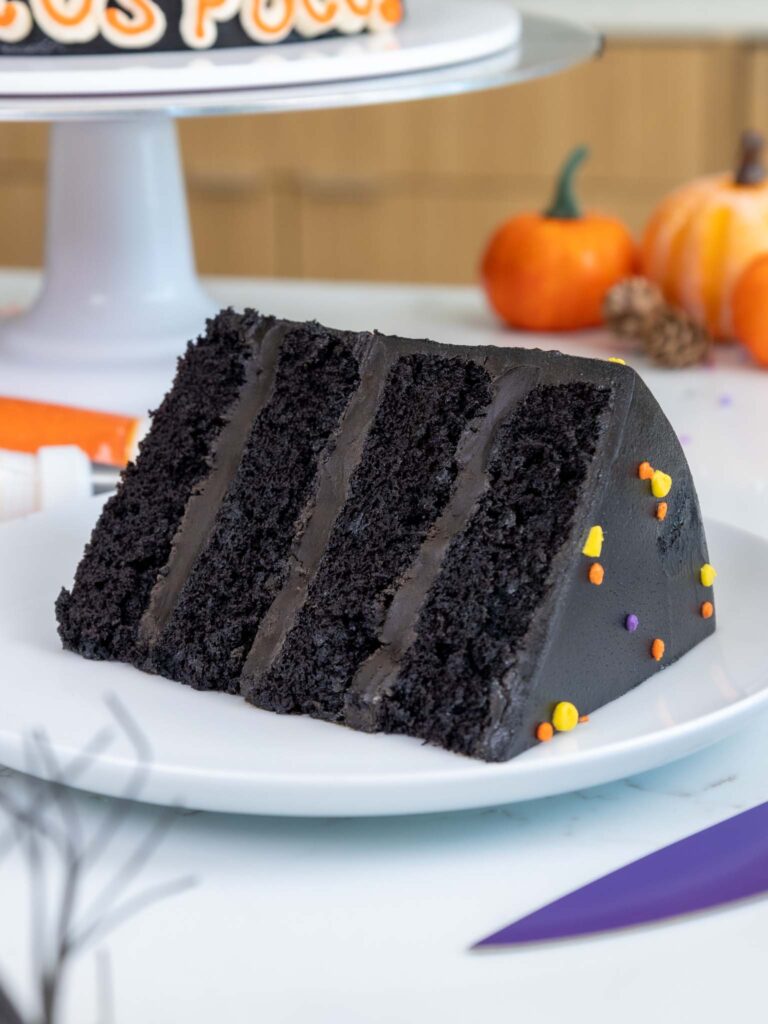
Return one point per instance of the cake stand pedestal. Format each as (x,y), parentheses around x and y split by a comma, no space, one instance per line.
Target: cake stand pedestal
(120,282)
(120,287)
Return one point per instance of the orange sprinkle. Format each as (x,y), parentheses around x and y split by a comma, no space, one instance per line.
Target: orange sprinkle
(545,732)
(658,647)
(596,574)
(645,471)
(707,610)
(583,719)
(661,510)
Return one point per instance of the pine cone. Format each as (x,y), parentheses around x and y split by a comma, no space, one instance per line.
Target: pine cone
(630,307)
(674,339)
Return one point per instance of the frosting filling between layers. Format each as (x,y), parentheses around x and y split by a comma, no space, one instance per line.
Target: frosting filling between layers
(233,551)
(332,493)
(373,680)
(131,543)
(203,505)
(463,671)
(403,482)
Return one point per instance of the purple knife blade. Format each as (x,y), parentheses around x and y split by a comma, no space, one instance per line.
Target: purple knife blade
(726,862)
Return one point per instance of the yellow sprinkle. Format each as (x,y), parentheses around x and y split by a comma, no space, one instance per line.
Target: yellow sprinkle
(661,484)
(594,546)
(615,359)
(565,717)
(708,575)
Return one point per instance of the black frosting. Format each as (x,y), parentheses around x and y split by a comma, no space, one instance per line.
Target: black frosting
(425,574)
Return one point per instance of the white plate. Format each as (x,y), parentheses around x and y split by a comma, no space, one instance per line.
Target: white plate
(436,33)
(215,752)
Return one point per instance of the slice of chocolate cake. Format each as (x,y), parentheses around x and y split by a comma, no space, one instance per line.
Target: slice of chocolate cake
(473,546)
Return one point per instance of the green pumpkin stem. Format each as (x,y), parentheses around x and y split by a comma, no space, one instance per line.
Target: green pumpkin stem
(564,205)
(751,170)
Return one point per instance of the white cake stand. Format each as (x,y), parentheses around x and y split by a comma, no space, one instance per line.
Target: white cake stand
(120,288)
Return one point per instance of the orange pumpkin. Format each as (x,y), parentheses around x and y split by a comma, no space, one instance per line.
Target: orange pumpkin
(703,235)
(551,271)
(750,308)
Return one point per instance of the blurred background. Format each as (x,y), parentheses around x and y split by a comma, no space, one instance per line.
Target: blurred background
(411,192)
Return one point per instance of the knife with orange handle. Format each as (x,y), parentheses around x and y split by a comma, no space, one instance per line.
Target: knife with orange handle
(107,438)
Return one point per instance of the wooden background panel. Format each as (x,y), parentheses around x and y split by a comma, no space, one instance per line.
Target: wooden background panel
(229,145)
(412,191)
(21,222)
(234,228)
(23,153)
(434,234)
(647,110)
(386,235)
(756,78)
(23,147)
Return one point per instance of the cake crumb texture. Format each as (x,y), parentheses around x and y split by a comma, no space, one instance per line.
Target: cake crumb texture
(99,618)
(402,484)
(464,662)
(245,561)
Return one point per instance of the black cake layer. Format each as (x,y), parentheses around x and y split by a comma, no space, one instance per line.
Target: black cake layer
(495,574)
(132,540)
(389,534)
(403,482)
(243,564)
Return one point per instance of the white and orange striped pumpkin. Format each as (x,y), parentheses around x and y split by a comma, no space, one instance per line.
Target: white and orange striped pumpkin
(703,235)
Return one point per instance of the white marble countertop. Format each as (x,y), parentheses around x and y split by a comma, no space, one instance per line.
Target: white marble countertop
(369,921)
(664,18)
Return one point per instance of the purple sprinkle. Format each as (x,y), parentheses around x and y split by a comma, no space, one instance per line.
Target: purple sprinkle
(726,400)
(632,623)
(684,439)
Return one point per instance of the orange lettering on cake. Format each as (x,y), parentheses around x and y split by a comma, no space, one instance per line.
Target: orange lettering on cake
(60,13)
(322,17)
(15,21)
(199,20)
(8,14)
(363,9)
(392,11)
(137,24)
(141,19)
(204,10)
(271,27)
(69,21)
